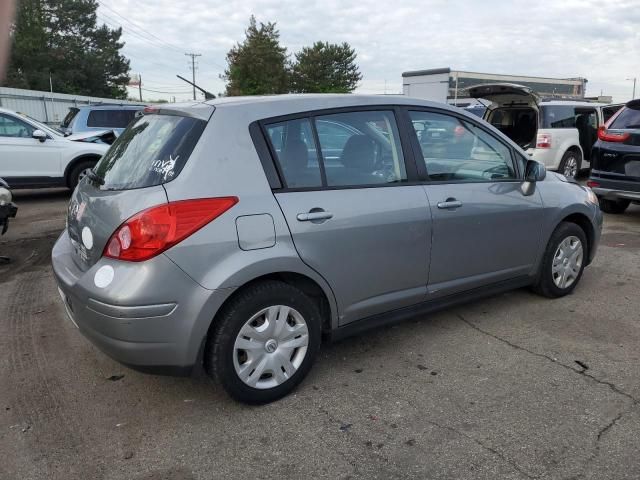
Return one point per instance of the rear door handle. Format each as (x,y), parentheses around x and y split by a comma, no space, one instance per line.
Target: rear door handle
(314,216)
(450,203)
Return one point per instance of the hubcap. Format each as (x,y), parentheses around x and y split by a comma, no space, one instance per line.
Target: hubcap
(567,262)
(270,347)
(571,167)
(83,174)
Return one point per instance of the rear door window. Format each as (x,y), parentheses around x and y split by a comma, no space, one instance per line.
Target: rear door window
(628,118)
(151,152)
(361,148)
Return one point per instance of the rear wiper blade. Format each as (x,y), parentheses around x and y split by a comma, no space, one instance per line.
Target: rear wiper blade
(93,176)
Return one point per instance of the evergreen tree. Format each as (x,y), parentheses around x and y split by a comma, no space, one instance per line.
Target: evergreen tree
(61,38)
(325,68)
(258,65)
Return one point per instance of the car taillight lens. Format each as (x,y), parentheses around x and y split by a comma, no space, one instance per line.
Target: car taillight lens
(592,184)
(543,140)
(609,136)
(154,230)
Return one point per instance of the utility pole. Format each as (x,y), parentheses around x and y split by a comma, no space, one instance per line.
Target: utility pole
(633,96)
(140,85)
(193,69)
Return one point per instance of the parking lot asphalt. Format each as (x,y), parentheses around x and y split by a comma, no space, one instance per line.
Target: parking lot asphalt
(514,386)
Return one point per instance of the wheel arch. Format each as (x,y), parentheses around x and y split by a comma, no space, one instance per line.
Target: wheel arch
(587,227)
(309,286)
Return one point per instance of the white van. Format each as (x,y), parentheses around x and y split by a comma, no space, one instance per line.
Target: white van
(558,133)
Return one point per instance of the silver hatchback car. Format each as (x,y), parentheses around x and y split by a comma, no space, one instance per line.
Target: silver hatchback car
(237,233)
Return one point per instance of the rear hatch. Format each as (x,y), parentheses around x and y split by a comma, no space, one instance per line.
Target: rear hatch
(513,110)
(619,145)
(130,176)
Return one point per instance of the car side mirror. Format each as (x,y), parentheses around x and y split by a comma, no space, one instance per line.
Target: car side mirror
(534,172)
(39,135)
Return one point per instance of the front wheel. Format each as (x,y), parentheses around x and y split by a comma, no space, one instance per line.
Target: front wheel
(264,342)
(613,206)
(570,164)
(563,261)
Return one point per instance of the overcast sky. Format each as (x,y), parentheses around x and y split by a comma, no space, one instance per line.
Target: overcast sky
(563,38)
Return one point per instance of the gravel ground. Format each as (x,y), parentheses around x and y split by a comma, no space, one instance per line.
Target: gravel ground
(514,386)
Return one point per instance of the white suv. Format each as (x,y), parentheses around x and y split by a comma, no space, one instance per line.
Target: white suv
(34,155)
(557,133)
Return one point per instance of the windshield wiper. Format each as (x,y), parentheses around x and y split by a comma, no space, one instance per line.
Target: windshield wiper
(94,177)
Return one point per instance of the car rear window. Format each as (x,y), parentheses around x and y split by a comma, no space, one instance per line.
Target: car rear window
(110,118)
(69,117)
(152,151)
(628,118)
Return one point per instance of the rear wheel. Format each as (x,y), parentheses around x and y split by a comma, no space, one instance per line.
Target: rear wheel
(563,261)
(613,206)
(78,172)
(264,342)
(570,164)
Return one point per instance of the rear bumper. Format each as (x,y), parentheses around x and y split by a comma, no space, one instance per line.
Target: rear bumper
(152,316)
(610,189)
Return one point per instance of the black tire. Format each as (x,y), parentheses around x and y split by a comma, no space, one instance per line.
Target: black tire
(74,174)
(568,156)
(613,206)
(219,351)
(545,284)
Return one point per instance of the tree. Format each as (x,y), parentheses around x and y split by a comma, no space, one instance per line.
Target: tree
(259,65)
(325,68)
(61,38)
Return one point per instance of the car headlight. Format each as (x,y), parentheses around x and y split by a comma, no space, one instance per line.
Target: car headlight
(5,196)
(591,197)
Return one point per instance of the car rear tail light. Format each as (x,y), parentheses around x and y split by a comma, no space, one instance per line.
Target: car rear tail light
(592,184)
(610,136)
(154,230)
(543,140)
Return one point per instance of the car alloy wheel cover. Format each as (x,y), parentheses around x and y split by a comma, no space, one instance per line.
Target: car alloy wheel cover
(571,166)
(270,347)
(83,174)
(567,262)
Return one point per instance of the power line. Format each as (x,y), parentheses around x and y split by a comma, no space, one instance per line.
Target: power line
(139,27)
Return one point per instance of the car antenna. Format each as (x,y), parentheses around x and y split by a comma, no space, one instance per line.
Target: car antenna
(207,95)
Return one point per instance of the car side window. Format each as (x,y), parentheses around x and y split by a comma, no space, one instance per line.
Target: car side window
(456,150)
(14,128)
(296,153)
(110,118)
(360,148)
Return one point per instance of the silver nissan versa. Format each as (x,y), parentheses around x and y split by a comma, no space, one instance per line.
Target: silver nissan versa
(238,233)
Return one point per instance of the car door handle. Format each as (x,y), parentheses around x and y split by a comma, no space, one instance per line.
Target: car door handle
(314,216)
(450,203)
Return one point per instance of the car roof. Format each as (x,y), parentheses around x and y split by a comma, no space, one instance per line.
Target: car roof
(571,103)
(260,107)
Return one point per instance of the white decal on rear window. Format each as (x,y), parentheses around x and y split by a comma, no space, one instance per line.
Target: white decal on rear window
(165,167)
